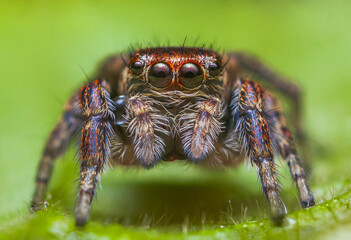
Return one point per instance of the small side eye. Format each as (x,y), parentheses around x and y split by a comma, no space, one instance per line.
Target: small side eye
(214,69)
(190,75)
(137,67)
(160,75)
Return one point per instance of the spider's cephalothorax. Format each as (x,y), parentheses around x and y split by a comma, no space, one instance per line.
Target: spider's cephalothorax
(176,103)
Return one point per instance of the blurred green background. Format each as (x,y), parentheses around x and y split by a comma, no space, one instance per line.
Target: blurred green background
(48,48)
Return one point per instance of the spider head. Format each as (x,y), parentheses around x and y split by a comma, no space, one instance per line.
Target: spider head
(174,69)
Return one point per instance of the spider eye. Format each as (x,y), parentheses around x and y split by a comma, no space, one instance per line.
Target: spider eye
(214,69)
(190,75)
(160,75)
(137,67)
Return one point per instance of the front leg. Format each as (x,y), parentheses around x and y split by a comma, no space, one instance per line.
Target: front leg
(247,112)
(97,110)
(238,62)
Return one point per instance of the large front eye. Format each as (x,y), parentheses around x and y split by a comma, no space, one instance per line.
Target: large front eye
(190,75)
(160,75)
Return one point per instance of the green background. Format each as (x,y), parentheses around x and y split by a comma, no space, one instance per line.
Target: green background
(48,48)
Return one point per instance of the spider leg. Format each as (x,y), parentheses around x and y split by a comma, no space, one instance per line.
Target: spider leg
(112,70)
(55,146)
(97,110)
(247,106)
(242,61)
(284,143)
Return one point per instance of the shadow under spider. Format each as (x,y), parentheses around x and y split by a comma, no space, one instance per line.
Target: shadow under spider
(217,197)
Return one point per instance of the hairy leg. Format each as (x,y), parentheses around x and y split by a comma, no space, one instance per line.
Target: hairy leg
(247,106)
(284,143)
(112,70)
(55,146)
(244,62)
(97,110)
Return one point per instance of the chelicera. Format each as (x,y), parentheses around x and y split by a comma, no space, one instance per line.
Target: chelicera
(177,103)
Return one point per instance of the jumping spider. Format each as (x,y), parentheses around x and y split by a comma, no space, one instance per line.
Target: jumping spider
(176,103)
